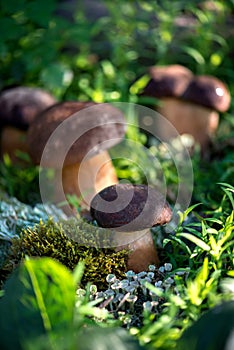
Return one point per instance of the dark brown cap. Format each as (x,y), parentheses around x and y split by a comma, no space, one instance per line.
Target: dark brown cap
(167,81)
(209,92)
(97,126)
(127,207)
(19,106)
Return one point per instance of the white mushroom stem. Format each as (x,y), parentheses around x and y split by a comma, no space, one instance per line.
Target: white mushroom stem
(89,177)
(188,118)
(142,251)
(13,139)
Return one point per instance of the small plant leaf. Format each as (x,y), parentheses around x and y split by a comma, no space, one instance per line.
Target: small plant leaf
(183,215)
(78,272)
(195,54)
(195,240)
(39,298)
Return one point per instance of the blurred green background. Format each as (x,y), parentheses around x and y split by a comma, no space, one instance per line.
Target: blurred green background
(97,49)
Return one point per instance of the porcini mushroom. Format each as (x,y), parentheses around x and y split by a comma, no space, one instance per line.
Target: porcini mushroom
(166,83)
(87,167)
(18,108)
(131,210)
(203,99)
(191,104)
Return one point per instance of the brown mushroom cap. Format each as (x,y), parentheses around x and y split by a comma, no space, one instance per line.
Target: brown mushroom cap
(209,92)
(19,106)
(167,81)
(128,207)
(105,125)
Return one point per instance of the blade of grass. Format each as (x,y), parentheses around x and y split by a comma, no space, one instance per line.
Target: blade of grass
(195,240)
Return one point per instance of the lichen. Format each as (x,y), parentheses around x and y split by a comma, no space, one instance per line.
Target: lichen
(15,216)
(52,239)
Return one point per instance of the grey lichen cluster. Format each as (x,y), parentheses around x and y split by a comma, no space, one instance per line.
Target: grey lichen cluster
(128,299)
(15,216)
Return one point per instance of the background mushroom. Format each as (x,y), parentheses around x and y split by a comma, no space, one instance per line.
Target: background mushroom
(167,81)
(203,99)
(87,167)
(131,210)
(18,108)
(167,84)
(191,104)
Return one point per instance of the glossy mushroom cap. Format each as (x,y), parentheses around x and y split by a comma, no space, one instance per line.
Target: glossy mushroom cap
(168,81)
(128,207)
(19,106)
(98,127)
(209,92)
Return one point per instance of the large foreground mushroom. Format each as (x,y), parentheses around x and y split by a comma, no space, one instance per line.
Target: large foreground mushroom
(131,210)
(87,167)
(18,108)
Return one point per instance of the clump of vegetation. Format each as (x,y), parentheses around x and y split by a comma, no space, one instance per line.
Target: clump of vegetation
(205,233)
(212,329)
(20,181)
(52,240)
(40,290)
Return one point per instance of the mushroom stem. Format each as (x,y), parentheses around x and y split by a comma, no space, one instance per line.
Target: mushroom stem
(13,139)
(187,118)
(142,252)
(89,177)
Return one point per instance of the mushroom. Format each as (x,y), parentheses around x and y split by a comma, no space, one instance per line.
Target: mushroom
(191,104)
(166,83)
(87,167)
(18,108)
(131,210)
(203,99)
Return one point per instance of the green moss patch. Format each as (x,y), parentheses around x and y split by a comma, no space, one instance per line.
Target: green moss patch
(52,239)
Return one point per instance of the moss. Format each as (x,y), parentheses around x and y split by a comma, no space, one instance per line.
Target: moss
(53,239)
